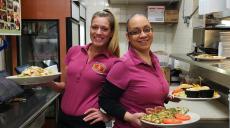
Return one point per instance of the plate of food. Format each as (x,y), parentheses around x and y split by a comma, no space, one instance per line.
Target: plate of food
(195,92)
(170,117)
(198,99)
(209,57)
(34,75)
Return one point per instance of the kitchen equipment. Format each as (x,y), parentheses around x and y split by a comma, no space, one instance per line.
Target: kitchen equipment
(48,63)
(174,73)
(224,44)
(207,39)
(163,58)
(39,42)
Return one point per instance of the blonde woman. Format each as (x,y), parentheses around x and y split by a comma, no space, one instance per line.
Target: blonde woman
(86,70)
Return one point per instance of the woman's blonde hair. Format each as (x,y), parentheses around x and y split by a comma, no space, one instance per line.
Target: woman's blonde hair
(113,46)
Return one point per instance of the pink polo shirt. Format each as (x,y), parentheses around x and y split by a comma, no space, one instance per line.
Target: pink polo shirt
(144,85)
(84,79)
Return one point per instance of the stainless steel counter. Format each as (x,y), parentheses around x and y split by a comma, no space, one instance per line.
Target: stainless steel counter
(208,110)
(22,114)
(213,114)
(216,71)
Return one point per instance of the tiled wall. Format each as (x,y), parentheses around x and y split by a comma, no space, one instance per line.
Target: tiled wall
(182,33)
(123,39)
(163,33)
(170,38)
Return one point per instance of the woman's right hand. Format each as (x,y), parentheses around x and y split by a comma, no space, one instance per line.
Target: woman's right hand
(133,119)
(57,86)
(94,115)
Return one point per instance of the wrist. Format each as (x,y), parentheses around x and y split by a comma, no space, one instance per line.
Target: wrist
(128,117)
(167,99)
(50,84)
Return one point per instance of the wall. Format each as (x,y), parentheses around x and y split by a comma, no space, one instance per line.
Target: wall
(91,7)
(2,60)
(49,9)
(172,38)
(162,32)
(182,37)
(169,38)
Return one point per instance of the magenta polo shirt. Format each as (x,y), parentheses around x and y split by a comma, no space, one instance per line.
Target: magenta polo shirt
(84,79)
(144,85)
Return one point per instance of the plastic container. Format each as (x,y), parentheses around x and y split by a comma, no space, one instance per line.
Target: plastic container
(163,58)
(220,49)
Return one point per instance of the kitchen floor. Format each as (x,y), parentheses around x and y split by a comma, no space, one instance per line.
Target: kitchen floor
(50,123)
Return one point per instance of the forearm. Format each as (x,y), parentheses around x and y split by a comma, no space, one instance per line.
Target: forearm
(57,86)
(109,101)
(133,118)
(128,117)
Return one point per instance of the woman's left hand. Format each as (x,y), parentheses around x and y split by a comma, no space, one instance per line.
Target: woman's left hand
(173,99)
(134,118)
(95,115)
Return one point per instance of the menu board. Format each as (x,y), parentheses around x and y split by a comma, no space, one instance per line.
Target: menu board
(10,17)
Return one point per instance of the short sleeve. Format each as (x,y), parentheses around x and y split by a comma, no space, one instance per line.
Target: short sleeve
(119,75)
(70,53)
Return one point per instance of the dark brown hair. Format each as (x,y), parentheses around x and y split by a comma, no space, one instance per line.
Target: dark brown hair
(127,23)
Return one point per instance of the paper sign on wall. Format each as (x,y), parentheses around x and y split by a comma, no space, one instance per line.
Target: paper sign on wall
(156,13)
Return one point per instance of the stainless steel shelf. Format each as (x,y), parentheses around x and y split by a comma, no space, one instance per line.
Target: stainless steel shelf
(216,71)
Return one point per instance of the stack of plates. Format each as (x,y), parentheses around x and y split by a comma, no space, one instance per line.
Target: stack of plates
(225,39)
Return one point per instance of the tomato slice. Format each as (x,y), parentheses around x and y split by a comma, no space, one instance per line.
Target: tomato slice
(182,117)
(159,108)
(154,110)
(171,121)
(149,110)
(177,90)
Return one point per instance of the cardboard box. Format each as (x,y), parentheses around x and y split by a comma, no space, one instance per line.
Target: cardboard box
(171,15)
(156,13)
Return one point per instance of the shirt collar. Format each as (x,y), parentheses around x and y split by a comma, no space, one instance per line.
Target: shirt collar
(105,53)
(136,59)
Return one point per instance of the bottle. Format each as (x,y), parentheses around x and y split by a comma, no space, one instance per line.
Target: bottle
(220,49)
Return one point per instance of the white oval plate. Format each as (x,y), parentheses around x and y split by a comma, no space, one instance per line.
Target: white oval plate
(30,80)
(197,99)
(194,118)
(214,58)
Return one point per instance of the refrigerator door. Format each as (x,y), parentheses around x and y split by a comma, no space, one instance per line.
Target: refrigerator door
(39,42)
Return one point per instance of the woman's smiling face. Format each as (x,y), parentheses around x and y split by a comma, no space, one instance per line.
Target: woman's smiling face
(140,33)
(100,31)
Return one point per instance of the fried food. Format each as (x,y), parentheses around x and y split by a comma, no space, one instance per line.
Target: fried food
(35,71)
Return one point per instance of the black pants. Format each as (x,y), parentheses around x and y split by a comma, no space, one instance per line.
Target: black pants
(67,121)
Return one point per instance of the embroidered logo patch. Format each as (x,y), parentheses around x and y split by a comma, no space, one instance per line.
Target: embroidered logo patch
(99,68)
